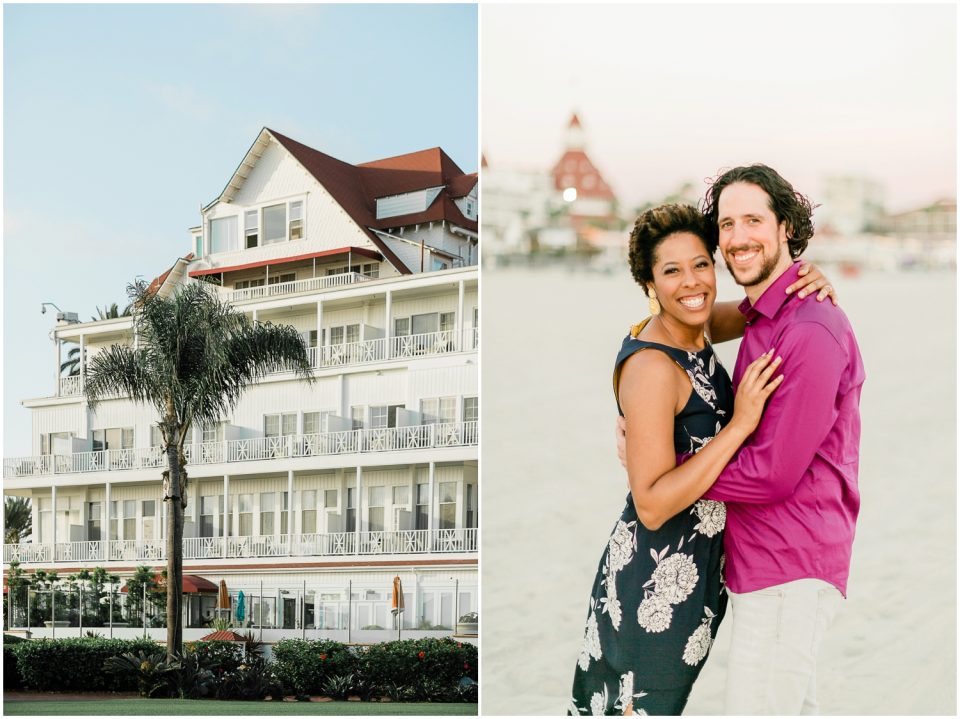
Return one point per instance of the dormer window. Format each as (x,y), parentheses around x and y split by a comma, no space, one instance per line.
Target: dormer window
(251,228)
(274,223)
(223,234)
(296,220)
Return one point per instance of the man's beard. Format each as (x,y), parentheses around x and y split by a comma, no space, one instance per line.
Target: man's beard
(766,270)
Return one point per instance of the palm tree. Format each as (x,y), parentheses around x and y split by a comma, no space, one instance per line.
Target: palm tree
(71,366)
(17,519)
(195,355)
(112,312)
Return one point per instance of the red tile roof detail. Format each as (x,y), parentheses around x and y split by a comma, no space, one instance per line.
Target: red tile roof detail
(223,635)
(362,251)
(574,121)
(573,169)
(357,187)
(192,584)
(461,186)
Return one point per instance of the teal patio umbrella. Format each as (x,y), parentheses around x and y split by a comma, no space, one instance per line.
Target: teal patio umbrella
(241,606)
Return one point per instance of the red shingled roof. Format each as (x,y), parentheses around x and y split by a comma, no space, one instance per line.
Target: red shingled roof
(357,187)
(158,281)
(223,636)
(573,169)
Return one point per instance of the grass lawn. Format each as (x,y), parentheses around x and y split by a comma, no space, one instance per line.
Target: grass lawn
(188,707)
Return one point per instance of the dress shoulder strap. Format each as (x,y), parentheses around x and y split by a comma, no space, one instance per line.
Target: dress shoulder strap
(631,345)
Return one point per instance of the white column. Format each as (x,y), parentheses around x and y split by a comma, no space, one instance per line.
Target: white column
(289,506)
(58,343)
(254,316)
(53,508)
(432,516)
(319,331)
(83,357)
(106,516)
(389,316)
(225,522)
(460,344)
(359,505)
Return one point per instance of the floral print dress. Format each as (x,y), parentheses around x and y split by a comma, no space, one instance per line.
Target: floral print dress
(658,597)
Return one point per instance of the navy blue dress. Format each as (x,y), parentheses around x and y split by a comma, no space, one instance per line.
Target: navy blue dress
(658,597)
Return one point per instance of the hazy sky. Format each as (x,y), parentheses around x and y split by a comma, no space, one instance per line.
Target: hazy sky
(120,121)
(671,93)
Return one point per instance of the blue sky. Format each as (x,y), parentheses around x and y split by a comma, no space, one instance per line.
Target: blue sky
(121,120)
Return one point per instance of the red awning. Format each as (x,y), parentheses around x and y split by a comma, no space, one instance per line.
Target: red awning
(362,251)
(192,584)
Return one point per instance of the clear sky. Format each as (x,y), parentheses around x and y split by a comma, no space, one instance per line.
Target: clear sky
(120,121)
(669,93)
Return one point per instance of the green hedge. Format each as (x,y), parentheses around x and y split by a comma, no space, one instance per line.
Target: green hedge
(417,663)
(74,664)
(306,665)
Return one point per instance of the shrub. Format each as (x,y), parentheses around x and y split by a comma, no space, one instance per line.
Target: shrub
(146,667)
(75,664)
(306,665)
(11,673)
(430,668)
(254,679)
(219,657)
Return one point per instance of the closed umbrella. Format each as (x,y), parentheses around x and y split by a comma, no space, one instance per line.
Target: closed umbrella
(396,605)
(223,600)
(241,607)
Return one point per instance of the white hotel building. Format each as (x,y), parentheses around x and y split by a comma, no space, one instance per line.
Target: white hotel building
(309,498)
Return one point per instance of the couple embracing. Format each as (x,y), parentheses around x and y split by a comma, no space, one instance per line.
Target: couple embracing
(744,490)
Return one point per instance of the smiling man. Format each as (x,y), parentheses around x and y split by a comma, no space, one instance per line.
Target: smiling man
(791,491)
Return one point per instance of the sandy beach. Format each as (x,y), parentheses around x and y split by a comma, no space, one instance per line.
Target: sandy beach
(553,489)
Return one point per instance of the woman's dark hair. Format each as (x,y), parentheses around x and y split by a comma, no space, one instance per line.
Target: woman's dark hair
(654,226)
(787,204)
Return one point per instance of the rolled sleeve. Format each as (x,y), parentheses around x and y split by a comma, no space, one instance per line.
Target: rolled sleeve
(797,418)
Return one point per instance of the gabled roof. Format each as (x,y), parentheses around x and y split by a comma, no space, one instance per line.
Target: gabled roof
(357,187)
(573,169)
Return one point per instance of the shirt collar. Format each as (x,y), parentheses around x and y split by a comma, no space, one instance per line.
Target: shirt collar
(773,298)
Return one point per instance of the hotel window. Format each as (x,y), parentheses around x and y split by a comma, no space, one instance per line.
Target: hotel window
(471,409)
(245,511)
(448,505)
(93,521)
(296,220)
(384,416)
(351,510)
(56,443)
(401,327)
(268,504)
(308,502)
(129,519)
(423,506)
(330,498)
(285,513)
(401,496)
(277,425)
(368,269)
(113,438)
(311,422)
(211,508)
(223,235)
(212,433)
(149,509)
(439,409)
(251,228)
(285,277)
(246,284)
(156,436)
(356,416)
(375,510)
(274,224)
(114,520)
(344,334)
(448,321)
(198,246)
(45,514)
(471,496)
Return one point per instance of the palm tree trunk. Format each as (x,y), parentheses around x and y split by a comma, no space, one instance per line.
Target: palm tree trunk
(174,554)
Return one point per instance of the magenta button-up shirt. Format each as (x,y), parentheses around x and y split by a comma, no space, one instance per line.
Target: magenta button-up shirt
(791,490)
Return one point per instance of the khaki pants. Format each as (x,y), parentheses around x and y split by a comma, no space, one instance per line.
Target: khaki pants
(776,638)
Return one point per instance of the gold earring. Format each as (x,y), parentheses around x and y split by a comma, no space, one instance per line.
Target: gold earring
(654,304)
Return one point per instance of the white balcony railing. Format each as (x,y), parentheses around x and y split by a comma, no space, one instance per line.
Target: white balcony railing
(426,436)
(352,353)
(407,541)
(286,288)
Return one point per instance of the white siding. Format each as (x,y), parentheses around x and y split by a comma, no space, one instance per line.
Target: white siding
(278,176)
(47,420)
(407,203)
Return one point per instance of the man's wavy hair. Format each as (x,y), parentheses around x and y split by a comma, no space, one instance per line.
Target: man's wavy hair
(657,224)
(787,204)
